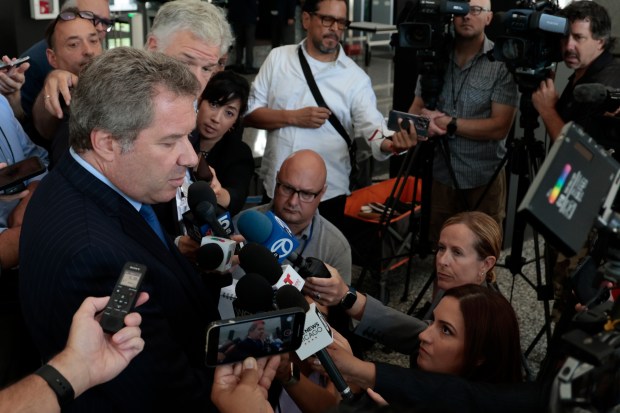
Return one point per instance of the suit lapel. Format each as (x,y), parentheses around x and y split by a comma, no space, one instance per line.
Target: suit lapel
(133,225)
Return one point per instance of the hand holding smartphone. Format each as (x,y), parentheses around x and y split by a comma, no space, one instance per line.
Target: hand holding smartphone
(13,176)
(14,63)
(419,122)
(258,335)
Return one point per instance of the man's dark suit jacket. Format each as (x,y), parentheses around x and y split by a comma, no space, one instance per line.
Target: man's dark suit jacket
(77,235)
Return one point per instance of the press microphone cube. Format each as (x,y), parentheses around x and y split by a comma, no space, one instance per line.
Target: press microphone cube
(572,184)
(228,250)
(290,277)
(317,333)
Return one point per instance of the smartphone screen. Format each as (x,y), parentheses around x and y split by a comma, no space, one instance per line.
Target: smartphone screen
(259,335)
(14,175)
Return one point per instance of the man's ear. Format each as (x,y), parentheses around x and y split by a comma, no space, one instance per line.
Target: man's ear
(51,58)
(151,43)
(305,19)
(104,144)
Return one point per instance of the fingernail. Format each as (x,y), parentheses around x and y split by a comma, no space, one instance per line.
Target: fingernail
(249,363)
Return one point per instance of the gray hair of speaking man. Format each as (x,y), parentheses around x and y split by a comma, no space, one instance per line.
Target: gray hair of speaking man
(116,92)
(204,20)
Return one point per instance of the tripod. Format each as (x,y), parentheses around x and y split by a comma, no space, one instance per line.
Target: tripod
(412,241)
(526,156)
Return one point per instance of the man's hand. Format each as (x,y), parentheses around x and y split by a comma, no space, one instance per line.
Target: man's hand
(58,82)
(326,291)
(545,97)
(243,387)
(438,122)
(310,117)
(12,78)
(91,356)
(402,140)
(188,247)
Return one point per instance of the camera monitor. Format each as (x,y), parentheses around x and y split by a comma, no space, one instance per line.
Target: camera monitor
(566,196)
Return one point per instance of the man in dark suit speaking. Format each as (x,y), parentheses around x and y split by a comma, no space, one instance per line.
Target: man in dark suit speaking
(131,113)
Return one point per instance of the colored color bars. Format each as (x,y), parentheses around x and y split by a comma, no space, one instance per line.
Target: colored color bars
(555,192)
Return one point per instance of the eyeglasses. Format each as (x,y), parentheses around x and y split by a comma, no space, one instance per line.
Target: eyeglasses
(87,15)
(476,10)
(287,190)
(328,21)
(106,23)
(69,15)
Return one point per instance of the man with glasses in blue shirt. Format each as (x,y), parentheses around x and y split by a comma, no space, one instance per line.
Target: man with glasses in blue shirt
(282,103)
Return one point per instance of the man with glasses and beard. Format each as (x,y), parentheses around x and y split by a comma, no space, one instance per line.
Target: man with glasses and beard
(282,103)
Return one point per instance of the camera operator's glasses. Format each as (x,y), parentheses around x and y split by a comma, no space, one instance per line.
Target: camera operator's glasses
(476,10)
(69,15)
(106,23)
(328,21)
(288,191)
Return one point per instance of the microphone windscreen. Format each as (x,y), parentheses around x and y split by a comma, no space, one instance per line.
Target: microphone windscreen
(254,294)
(198,192)
(254,226)
(258,259)
(288,296)
(590,93)
(209,256)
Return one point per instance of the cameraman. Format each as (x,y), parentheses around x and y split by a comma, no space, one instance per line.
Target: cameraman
(587,50)
(476,107)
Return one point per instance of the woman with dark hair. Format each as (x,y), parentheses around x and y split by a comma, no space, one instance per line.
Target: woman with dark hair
(484,327)
(474,335)
(217,140)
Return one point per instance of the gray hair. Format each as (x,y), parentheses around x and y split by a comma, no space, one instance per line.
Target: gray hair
(204,20)
(116,92)
(68,3)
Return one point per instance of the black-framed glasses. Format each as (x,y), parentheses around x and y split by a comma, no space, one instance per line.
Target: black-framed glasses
(476,10)
(106,23)
(287,190)
(328,21)
(69,15)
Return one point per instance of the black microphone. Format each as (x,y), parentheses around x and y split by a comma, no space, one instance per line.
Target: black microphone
(209,257)
(202,202)
(254,295)
(598,94)
(257,258)
(309,266)
(287,297)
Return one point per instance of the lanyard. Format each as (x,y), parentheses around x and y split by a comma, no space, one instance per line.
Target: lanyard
(307,240)
(457,95)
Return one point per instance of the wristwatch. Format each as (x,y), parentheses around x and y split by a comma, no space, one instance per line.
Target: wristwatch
(294,377)
(349,299)
(451,128)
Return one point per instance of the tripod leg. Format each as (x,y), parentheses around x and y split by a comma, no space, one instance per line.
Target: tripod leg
(420,296)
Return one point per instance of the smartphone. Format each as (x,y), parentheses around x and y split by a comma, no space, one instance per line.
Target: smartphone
(123,297)
(14,63)
(258,335)
(420,122)
(13,176)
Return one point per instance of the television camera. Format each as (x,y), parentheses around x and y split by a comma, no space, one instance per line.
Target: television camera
(530,44)
(425,27)
(574,190)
